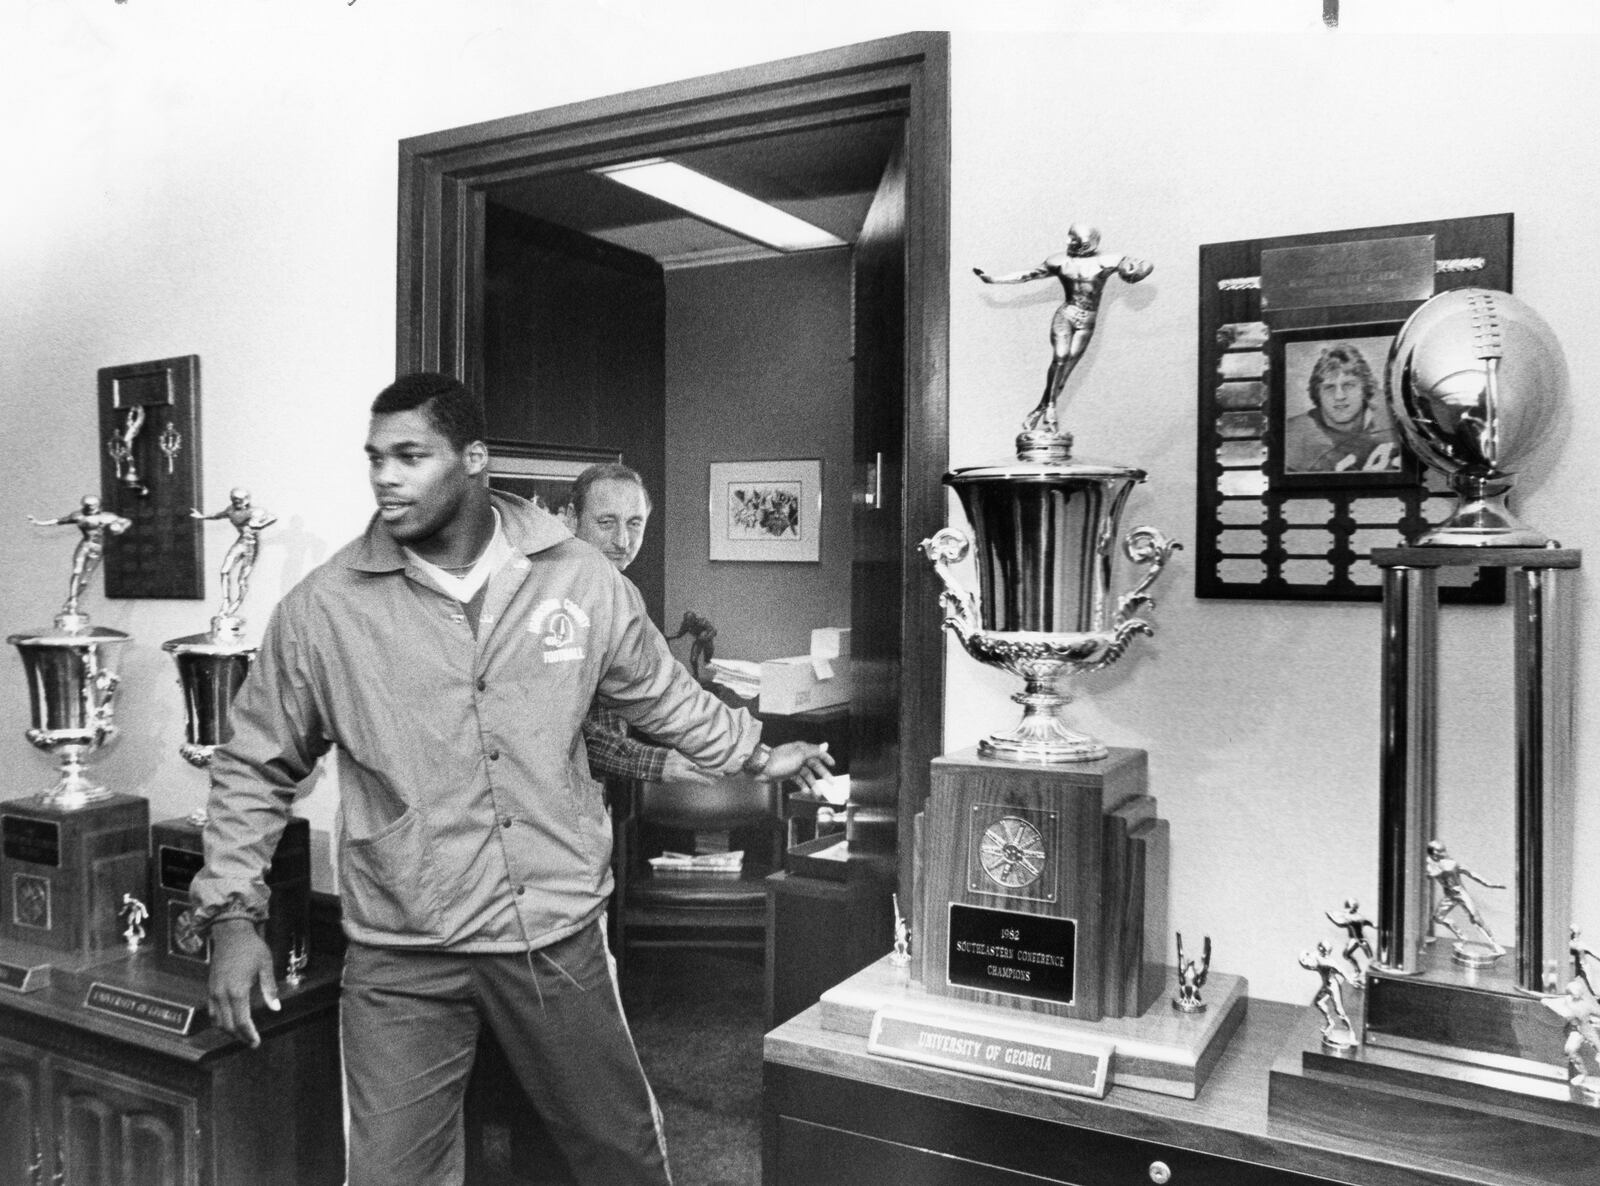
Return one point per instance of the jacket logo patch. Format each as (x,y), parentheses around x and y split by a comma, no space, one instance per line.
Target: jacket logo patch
(562,626)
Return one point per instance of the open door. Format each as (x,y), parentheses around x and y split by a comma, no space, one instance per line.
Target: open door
(879,559)
(902,383)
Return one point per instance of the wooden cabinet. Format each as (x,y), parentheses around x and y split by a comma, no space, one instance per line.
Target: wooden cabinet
(98,1101)
(834,1114)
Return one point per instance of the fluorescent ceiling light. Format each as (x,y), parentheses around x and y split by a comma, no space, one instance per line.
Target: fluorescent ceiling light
(722,205)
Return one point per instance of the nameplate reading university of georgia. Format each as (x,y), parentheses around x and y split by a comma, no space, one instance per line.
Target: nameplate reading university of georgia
(139,1007)
(1058,1061)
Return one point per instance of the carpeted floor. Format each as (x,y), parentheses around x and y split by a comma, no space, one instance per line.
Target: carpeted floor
(697,1020)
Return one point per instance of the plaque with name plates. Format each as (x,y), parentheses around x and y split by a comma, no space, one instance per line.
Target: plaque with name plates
(1045,889)
(64,872)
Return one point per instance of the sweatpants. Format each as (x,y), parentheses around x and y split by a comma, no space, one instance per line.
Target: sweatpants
(409,1023)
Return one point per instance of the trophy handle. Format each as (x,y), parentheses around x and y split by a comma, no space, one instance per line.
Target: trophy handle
(945,547)
(104,684)
(1144,545)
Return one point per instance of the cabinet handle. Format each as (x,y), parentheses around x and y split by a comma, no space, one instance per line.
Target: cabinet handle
(60,1177)
(1160,1173)
(36,1165)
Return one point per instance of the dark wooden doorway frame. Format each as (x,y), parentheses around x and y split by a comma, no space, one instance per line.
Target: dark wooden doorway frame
(445,178)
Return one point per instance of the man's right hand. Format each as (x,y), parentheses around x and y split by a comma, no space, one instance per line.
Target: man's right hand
(240,963)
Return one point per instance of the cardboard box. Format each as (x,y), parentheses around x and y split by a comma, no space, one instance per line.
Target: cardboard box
(791,685)
(831,642)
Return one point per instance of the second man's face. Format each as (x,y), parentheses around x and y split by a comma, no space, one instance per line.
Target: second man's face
(613,519)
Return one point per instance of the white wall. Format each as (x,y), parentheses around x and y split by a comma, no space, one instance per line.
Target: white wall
(183,181)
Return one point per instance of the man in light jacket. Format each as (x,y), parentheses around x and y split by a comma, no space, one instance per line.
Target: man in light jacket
(450,654)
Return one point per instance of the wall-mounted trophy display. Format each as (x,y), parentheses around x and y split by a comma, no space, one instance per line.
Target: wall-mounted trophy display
(72,852)
(1463,1029)
(1041,933)
(211,666)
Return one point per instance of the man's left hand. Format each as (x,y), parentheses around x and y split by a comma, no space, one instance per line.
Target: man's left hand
(802,761)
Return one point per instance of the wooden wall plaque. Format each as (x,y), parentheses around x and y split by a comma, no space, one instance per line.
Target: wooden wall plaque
(150,474)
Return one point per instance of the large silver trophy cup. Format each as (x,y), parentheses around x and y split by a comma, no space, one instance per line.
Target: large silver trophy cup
(71,684)
(211,666)
(1045,529)
(1474,376)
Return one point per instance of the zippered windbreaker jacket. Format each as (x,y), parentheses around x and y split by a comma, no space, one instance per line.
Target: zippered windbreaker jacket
(467,816)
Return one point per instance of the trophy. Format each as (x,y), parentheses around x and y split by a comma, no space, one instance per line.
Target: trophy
(1045,527)
(70,681)
(69,854)
(1482,1033)
(1473,378)
(211,667)
(1042,925)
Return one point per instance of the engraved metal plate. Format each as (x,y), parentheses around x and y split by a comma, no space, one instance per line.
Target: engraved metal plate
(1006,951)
(172,1016)
(1007,853)
(178,866)
(1357,272)
(36,841)
(1052,1059)
(24,978)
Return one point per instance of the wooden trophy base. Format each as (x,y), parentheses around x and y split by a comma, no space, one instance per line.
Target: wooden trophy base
(1163,1050)
(64,874)
(1455,1112)
(1044,888)
(177,854)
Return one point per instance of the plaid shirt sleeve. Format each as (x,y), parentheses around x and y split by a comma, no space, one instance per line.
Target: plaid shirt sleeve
(612,751)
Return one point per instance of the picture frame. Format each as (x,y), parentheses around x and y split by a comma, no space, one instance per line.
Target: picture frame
(542,473)
(1268,530)
(765,510)
(1346,438)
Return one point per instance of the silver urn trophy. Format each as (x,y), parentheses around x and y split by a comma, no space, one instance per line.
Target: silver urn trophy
(1045,532)
(1473,379)
(69,667)
(211,666)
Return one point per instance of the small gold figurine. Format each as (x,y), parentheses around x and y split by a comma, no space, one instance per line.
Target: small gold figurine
(1329,997)
(93,523)
(1083,270)
(134,913)
(1448,874)
(1354,924)
(240,558)
(902,937)
(1192,978)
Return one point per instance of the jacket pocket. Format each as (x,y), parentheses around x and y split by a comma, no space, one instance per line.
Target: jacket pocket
(389,880)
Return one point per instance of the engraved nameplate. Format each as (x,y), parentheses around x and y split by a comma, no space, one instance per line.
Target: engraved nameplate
(177,866)
(22,978)
(1060,1061)
(36,841)
(139,1007)
(1361,272)
(1006,951)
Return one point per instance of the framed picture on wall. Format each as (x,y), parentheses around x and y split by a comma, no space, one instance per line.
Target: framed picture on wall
(542,474)
(765,510)
(1331,423)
